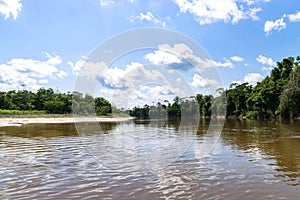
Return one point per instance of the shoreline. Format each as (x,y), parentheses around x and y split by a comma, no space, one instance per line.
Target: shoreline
(14,121)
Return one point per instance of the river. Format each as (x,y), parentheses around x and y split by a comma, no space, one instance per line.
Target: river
(150,160)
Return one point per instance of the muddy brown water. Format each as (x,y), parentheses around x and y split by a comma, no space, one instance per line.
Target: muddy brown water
(250,160)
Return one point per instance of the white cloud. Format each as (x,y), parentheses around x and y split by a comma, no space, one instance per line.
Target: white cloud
(90,70)
(253,13)
(253,78)
(278,25)
(227,63)
(116,77)
(76,66)
(252,2)
(208,11)
(149,17)
(198,81)
(10,8)
(61,74)
(267,68)
(129,83)
(237,58)
(167,54)
(265,61)
(180,54)
(162,57)
(110,77)
(294,17)
(106,2)
(121,84)
(157,93)
(23,73)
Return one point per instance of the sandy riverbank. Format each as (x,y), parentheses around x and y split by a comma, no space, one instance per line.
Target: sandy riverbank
(21,121)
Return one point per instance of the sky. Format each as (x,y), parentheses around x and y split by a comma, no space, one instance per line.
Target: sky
(47,43)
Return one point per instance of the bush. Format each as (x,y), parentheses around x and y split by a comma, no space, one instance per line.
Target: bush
(252,114)
(21,112)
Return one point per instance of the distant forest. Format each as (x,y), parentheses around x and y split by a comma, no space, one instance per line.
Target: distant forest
(277,95)
(46,101)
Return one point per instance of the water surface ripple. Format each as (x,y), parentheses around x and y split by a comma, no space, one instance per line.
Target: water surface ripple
(252,160)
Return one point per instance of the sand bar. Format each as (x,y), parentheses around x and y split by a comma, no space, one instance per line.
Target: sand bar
(21,121)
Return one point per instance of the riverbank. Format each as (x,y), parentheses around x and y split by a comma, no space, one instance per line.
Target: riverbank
(20,121)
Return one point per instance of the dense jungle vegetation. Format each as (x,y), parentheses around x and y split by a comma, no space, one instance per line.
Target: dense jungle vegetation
(277,95)
(49,102)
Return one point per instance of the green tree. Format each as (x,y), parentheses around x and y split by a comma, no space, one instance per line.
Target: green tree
(200,101)
(207,103)
(236,98)
(10,95)
(158,111)
(141,113)
(54,107)
(23,100)
(174,110)
(102,106)
(3,103)
(290,97)
(42,96)
(219,105)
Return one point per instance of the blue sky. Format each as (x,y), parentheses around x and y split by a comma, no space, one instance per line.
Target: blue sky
(44,42)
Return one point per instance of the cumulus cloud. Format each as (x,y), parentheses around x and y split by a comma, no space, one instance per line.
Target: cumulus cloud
(149,17)
(207,11)
(18,72)
(75,67)
(265,61)
(237,59)
(182,57)
(294,17)
(277,25)
(227,63)
(10,8)
(120,83)
(167,55)
(267,68)
(87,69)
(280,24)
(162,57)
(252,2)
(157,93)
(128,83)
(118,78)
(198,81)
(61,74)
(113,78)
(251,78)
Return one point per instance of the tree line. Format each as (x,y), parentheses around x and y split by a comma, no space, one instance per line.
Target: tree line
(187,107)
(277,95)
(49,101)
